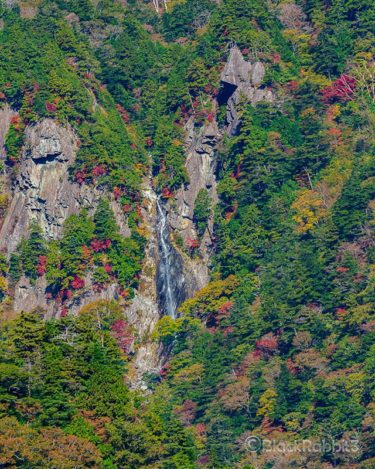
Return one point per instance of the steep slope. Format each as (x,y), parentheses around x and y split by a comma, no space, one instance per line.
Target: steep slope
(187,215)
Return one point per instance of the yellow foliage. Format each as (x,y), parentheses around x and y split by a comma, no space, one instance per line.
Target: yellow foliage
(335,110)
(360,314)
(314,78)
(3,285)
(355,385)
(267,403)
(309,208)
(172,3)
(101,308)
(192,374)
(4,199)
(168,327)
(308,112)
(211,297)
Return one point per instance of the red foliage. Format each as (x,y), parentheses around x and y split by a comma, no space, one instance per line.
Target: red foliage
(292,85)
(89,75)
(98,245)
(50,107)
(201,428)
(341,89)
(291,366)
(2,95)
(166,193)
(117,192)
(99,170)
(42,266)
(108,268)
(341,313)
(122,333)
(124,293)
(229,214)
(210,117)
(208,89)
(368,326)
(256,354)
(276,58)
(226,307)
(68,294)
(342,269)
(149,142)
(228,330)
(77,283)
(86,252)
(165,370)
(268,427)
(124,115)
(127,208)
(335,133)
(64,312)
(15,121)
(267,344)
(192,243)
(80,177)
(186,412)
(224,310)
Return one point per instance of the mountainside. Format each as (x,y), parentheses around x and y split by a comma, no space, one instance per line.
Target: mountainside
(187,252)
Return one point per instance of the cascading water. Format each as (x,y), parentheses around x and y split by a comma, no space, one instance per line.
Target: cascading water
(170,276)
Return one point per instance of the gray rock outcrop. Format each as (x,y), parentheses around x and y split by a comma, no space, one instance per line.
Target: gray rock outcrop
(143,312)
(42,190)
(242,80)
(200,165)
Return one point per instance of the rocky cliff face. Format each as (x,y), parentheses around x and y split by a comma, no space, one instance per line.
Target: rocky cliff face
(42,190)
(200,165)
(143,313)
(241,80)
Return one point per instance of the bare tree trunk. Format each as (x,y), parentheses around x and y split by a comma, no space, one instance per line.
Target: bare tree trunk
(156,5)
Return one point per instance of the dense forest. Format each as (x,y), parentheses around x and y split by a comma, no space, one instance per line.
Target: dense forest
(279,345)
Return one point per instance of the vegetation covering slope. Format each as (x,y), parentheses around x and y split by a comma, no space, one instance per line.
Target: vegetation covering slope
(280,343)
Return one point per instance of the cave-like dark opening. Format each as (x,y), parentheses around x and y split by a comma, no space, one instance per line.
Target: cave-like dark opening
(226,91)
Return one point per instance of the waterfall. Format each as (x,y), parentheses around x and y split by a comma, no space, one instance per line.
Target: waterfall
(170,277)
